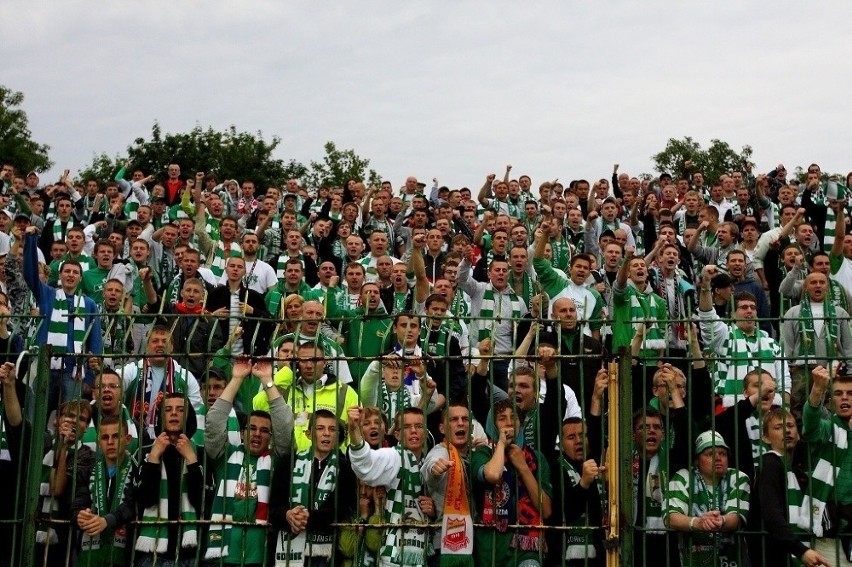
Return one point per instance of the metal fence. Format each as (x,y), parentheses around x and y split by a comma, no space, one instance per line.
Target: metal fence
(624,535)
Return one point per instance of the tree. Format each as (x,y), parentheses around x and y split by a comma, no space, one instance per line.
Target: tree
(229,155)
(16,144)
(339,166)
(713,162)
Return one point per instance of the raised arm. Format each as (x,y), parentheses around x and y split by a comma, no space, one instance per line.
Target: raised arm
(485,190)
(418,266)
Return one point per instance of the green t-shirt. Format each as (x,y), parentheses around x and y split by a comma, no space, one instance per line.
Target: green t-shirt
(93,283)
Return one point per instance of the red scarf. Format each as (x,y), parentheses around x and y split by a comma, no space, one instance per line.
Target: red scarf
(181,308)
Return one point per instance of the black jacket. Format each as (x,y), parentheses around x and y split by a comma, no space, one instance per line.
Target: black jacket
(257,328)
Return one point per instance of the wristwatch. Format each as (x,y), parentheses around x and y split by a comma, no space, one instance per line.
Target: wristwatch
(269,385)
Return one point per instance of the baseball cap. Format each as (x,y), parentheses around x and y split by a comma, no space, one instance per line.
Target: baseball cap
(709,439)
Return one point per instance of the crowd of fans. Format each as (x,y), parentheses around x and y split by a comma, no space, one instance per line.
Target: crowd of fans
(376,376)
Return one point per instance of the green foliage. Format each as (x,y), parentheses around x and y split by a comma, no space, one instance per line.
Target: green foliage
(16,144)
(229,155)
(719,158)
(338,166)
(801,175)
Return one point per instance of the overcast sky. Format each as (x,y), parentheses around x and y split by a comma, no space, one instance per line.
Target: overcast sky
(453,90)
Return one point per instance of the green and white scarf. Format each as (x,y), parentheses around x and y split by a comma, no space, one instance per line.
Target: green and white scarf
(831,454)
(689,494)
(405,546)
(60,230)
(106,549)
(49,504)
(527,285)
(392,403)
(578,542)
(491,312)
(303,493)
(643,309)
(58,326)
(438,348)
(807,344)
(241,481)
(739,356)
(653,474)
(820,198)
(232,425)
(153,532)
(220,256)
(459,307)
(562,253)
(271,239)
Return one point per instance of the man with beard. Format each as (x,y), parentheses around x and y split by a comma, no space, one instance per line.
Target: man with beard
(397,469)
(261,277)
(814,333)
(146,383)
(310,492)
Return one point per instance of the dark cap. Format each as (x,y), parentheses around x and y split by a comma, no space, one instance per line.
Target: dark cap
(215,372)
(607,232)
(290,196)
(720,281)
(610,200)
(22,216)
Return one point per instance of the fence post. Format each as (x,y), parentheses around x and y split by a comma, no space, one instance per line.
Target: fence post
(624,438)
(40,389)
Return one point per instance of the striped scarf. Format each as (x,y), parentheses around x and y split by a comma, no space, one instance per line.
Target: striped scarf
(491,313)
(303,493)
(5,455)
(233,427)
(220,256)
(271,239)
(49,504)
(740,355)
(807,344)
(153,534)
(59,334)
(241,482)
(579,542)
(106,549)
(393,402)
(405,546)
(562,253)
(459,307)
(655,483)
(60,230)
(831,453)
(437,348)
(643,309)
(526,284)
(820,198)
